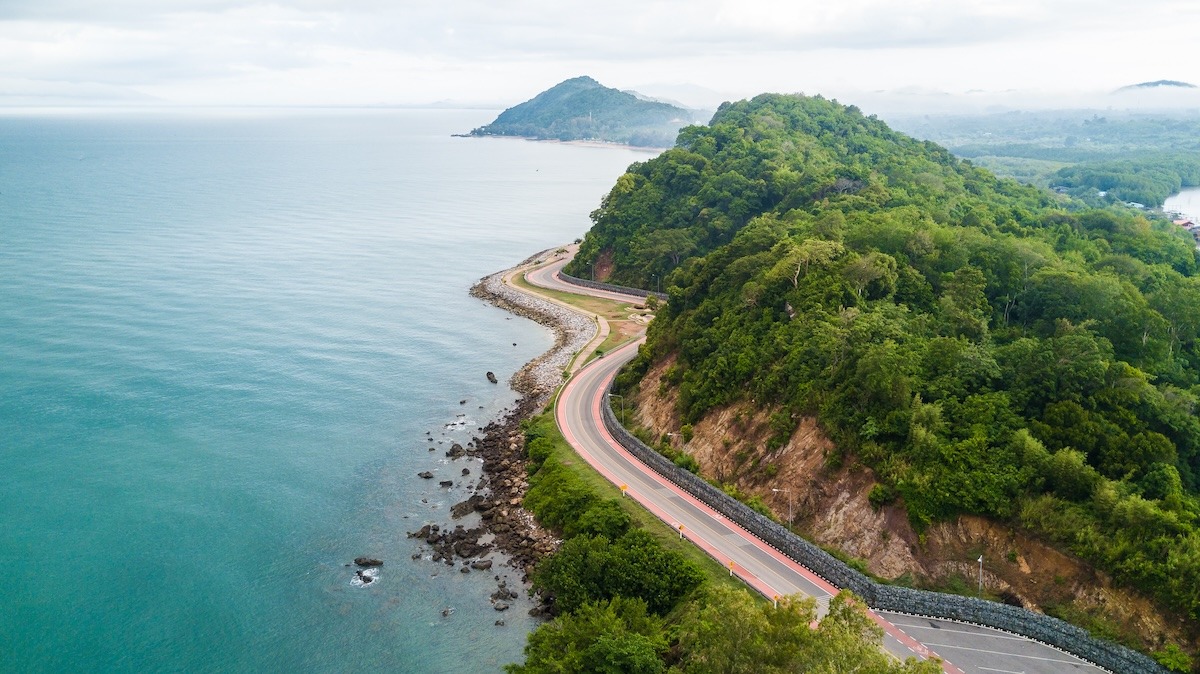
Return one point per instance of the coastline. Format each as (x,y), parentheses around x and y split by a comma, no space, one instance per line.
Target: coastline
(498,494)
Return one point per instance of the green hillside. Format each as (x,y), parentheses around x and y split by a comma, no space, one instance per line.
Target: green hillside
(582,109)
(985,347)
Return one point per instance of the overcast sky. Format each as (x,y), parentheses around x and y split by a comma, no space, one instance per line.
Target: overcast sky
(369,52)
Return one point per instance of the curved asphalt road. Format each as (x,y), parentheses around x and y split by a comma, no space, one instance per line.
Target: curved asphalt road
(971,648)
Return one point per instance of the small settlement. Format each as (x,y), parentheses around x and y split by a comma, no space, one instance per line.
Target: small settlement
(1190,226)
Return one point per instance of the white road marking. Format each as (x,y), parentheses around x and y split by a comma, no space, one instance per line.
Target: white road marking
(1011,655)
(986,635)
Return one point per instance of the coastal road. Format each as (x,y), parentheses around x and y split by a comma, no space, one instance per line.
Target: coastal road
(546,276)
(970,648)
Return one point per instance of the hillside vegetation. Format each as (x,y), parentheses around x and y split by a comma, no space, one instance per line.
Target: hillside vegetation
(985,347)
(583,109)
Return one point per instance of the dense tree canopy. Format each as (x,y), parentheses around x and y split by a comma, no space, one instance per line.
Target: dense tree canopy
(984,347)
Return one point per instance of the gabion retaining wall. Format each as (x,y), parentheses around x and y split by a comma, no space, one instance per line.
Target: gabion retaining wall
(1013,619)
(610,287)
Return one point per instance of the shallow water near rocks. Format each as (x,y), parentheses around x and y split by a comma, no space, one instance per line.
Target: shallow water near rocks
(227,344)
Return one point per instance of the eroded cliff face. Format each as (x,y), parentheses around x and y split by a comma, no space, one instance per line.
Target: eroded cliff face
(827,499)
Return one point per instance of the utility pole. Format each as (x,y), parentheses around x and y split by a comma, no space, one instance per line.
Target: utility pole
(980,575)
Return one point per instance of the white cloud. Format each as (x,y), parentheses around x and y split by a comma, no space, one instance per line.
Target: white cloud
(381,51)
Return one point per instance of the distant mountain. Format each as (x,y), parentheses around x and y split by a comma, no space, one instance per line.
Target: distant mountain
(1158,83)
(583,109)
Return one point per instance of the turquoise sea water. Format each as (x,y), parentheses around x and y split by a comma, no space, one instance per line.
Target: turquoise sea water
(222,342)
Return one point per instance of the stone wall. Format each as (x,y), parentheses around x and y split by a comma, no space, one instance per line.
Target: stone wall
(1012,619)
(596,285)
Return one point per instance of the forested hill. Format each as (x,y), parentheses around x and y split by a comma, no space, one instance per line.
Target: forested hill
(979,344)
(582,109)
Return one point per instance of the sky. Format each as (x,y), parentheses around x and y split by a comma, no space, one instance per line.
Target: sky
(500,52)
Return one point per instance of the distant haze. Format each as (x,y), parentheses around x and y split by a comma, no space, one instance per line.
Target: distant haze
(935,55)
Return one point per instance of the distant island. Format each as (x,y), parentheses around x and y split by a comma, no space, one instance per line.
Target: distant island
(583,109)
(1158,83)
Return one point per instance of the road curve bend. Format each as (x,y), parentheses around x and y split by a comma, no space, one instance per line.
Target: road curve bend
(963,648)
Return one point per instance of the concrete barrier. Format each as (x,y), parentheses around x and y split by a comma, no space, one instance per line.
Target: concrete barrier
(1014,619)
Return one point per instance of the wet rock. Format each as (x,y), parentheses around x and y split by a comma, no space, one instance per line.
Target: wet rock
(491,376)
(463,508)
(500,606)
(500,623)
(481,564)
(368,561)
(466,471)
(425,474)
(456,451)
(447,483)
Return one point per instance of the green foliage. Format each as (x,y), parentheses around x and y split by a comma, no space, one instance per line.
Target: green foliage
(984,346)
(609,637)
(537,451)
(1174,658)
(729,632)
(582,109)
(881,495)
(559,498)
(591,568)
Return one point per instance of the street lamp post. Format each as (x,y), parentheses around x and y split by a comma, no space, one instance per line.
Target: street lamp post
(980,575)
(789,493)
(615,395)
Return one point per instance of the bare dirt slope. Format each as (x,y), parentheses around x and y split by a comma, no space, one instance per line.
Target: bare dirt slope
(827,498)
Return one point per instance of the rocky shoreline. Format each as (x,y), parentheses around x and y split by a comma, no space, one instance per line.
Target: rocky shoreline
(504,525)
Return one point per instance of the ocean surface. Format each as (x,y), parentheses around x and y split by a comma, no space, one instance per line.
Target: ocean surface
(223,340)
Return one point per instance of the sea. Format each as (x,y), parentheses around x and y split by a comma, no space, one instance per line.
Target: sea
(229,341)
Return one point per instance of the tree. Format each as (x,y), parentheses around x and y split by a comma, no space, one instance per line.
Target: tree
(730,632)
(799,257)
(607,637)
(874,270)
(963,304)
(591,568)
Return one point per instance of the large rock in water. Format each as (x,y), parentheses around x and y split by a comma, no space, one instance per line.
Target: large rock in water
(368,561)
(492,377)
